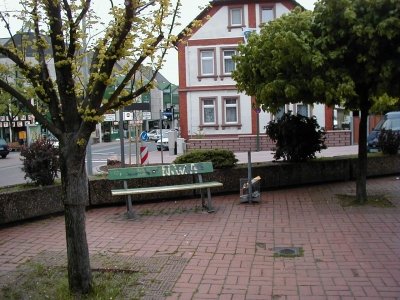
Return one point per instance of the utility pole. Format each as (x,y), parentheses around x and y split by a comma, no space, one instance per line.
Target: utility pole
(171,106)
(89,163)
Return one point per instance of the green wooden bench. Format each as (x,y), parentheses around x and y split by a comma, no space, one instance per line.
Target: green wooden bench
(164,171)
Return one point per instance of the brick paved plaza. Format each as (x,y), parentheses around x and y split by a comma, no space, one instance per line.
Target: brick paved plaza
(349,253)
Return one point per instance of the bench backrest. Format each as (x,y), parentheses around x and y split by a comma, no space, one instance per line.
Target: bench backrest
(160,170)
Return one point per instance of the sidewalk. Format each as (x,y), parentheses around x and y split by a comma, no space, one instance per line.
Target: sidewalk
(349,253)
(261,156)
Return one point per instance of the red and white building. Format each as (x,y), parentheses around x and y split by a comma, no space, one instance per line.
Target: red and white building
(209,103)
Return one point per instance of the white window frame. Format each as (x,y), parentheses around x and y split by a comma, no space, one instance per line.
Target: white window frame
(308,109)
(203,106)
(223,61)
(203,59)
(281,113)
(232,9)
(225,106)
(267,7)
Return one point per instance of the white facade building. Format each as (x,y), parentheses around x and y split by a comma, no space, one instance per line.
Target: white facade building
(210,104)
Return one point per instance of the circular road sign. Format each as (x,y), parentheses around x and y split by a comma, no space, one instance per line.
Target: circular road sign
(144,137)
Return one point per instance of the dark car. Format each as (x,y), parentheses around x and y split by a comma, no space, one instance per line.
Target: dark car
(4,148)
(390,121)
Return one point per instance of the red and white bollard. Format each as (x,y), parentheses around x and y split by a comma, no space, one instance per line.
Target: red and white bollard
(144,155)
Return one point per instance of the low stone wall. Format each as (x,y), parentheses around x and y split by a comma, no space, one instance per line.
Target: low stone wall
(243,143)
(30,203)
(37,202)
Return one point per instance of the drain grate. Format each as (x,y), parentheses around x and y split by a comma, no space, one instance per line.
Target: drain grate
(288,251)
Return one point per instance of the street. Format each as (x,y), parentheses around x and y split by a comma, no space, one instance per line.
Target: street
(11,167)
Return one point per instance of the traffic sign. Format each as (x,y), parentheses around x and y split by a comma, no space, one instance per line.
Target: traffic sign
(128,116)
(146,115)
(109,117)
(144,137)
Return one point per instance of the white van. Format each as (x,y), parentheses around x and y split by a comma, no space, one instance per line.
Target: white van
(390,121)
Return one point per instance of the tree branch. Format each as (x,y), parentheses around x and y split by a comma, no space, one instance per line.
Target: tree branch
(8,29)
(31,73)
(26,102)
(114,101)
(111,57)
(63,66)
(45,75)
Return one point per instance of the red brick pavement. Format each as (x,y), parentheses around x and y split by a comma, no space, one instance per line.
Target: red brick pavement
(349,253)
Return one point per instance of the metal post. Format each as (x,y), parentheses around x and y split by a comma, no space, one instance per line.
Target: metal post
(89,163)
(129,211)
(130,143)
(162,155)
(171,106)
(352,129)
(258,131)
(249,175)
(137,133)
(121,136)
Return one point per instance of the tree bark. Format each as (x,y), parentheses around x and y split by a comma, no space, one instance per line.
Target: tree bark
(75,193)
(361,181)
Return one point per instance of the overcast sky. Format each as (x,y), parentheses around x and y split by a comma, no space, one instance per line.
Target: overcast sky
(190,10)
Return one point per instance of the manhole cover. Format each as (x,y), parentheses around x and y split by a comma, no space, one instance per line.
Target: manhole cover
(288,251)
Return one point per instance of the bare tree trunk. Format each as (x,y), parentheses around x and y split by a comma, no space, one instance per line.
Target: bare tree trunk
(361,181)
(76,195)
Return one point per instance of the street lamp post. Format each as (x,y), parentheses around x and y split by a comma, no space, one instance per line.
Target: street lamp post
(258,110)
(89,163)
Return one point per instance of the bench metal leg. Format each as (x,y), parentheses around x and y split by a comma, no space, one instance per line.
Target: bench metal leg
(203,202)
(129,209)
(209,205)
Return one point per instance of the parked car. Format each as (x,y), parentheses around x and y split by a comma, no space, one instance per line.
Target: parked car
(165,139)
(164,144)
(4,150)
(391,121)
(155,134)
(54,142)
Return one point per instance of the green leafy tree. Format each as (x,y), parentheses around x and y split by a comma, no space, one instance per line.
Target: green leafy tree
(139,33)
(277,65)
(360,43)
(345,52)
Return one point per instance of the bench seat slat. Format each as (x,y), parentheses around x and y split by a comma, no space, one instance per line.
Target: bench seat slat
(160,189)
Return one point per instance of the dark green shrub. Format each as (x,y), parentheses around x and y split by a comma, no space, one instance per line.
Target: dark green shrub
(40,162)
(297,138)
(389,141)
(220,158)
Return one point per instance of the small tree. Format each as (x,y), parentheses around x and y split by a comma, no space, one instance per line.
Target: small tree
(70,72)
(345,52)
(360,43)
(40,162)
(297,137)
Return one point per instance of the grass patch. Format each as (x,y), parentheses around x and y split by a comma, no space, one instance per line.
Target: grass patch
(24,187)
(372,200)
(43,282)
(17,188)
